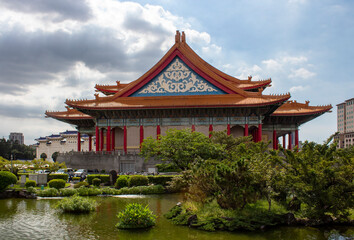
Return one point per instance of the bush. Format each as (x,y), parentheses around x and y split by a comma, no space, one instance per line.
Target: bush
(62,176)
(76,178)
(32,190)
(96,182)
(50,192)
(135,216)
(153,189)
(160,179)
(138,180)
(122,181)
(84,191)
(110,191)
(77,204)
(104,178)
(56,183)
(81,184)
(66,192)
(30,183)
(6,178)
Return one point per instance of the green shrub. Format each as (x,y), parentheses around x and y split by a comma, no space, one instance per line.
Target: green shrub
(50,192)
(30,183)
(56,183)
(66,192)
(104,178)
(96,182)
(153,189)
(6,178)
(76,178)
(85,191)
(110,191)
(135,216)
(138,180)
(76,204)
(81,184)
(62,176)
(32,190)
(122,181)
(160,179)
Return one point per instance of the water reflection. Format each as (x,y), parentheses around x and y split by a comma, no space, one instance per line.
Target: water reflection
(38,219)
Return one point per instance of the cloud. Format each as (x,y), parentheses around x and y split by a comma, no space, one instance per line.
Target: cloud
(52,9)
(301,73)
(298,88)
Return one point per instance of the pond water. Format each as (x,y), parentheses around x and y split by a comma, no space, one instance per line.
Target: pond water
(38,219)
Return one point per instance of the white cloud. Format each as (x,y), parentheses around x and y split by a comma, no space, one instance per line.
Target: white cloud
(301,73)
(298,88)
(48,57)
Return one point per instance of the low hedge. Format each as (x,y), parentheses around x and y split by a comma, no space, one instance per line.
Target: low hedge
(56,183)
(160,179)
(50,192)
(30,183)
(62,176)
(138,180)
(152,189)
(104,178)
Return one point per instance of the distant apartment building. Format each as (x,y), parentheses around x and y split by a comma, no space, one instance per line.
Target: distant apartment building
(345,123)
(17,137)
(62,143)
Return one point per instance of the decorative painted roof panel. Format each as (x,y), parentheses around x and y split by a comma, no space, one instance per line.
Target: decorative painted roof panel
(175,80)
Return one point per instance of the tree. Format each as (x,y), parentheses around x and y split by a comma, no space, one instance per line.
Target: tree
(321,177)
(55,156)
(181,147)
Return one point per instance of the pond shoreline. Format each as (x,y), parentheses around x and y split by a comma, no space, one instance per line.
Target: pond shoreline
(216,223)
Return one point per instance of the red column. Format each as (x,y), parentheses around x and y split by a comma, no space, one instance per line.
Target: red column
(90,143)
(228,129)
(141,134)
(125,139)
(297,138)
(78,141)
(246,130)
(210,130)
(193,128)
(284,145)
(108,139)
(275,145)
(158,132)
(259,133)
(101,139)
(113,138)
(290,143)
(97,139)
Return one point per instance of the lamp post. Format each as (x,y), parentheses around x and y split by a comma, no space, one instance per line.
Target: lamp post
(12,167)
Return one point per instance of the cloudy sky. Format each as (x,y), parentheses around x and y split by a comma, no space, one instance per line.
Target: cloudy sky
(51,50)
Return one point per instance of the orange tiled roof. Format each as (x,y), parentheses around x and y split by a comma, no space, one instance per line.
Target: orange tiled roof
(110,89)
(226,100)
(291,108)
(69,114)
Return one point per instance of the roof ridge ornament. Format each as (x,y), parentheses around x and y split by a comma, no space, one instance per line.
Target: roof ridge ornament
(178,37)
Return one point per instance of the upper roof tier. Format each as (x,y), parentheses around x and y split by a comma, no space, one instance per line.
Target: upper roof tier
(183,79)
